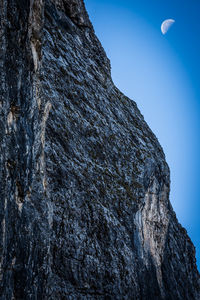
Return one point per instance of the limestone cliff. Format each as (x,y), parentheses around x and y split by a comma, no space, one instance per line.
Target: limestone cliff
(84,211)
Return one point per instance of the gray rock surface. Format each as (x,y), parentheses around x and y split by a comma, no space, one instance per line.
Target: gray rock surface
(84,211)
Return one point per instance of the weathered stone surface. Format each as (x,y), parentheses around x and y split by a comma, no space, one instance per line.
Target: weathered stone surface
(84,211)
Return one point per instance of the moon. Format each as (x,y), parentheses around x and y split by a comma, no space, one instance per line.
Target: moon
(166,25)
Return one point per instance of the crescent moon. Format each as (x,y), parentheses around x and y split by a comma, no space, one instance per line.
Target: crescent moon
(166,25)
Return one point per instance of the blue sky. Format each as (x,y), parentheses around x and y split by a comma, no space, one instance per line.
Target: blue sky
(161,73)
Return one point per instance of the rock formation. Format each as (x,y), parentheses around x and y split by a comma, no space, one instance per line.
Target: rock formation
(84,211)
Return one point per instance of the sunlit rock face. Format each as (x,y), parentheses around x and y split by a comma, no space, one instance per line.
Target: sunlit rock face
(84,211)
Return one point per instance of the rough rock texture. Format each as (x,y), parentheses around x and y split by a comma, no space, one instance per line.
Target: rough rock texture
(84,211)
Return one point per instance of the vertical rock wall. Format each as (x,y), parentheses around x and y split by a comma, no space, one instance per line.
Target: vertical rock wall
(84,211)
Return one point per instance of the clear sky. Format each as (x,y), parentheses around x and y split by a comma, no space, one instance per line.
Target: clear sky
(161,73)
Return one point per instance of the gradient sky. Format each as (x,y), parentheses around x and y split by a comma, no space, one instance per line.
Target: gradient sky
(161,73)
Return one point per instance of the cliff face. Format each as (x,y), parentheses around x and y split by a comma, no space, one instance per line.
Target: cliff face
(84,211)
